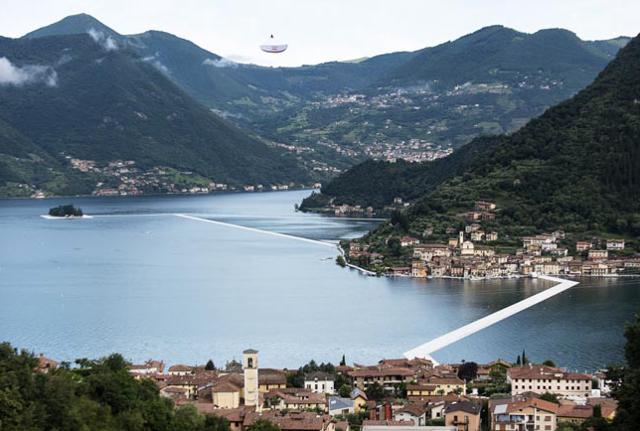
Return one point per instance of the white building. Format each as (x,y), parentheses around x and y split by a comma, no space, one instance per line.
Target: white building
(540,379)
(319,383)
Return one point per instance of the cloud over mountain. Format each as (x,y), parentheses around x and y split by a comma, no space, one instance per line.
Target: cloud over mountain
(11,74)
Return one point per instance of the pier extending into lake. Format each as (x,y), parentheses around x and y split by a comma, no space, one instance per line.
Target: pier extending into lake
(425,350)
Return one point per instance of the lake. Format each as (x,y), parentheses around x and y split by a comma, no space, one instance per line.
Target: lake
(137,280)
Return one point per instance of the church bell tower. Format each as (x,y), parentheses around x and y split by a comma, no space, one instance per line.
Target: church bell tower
(250,368)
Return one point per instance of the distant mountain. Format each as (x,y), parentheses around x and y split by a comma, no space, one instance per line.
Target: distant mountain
(411,105)
(489,82)
(576,167)
(74,24)
(77,96)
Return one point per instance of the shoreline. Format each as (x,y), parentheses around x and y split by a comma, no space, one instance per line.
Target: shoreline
(142,195)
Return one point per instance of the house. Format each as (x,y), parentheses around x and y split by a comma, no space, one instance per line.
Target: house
(407,241)
(540,379)
(45,364)
(149,368)
(598,254)
(464,415)
(340,406)
(414,412)
(369,425)
(466,249)
(291,421)
(427,252)
(436,386)
(522,413)
(491,236)
(387,377)
(270,378)
(485,206)
(227,390)
(295,399)
(477,235)
(583,245)
(180,370)
(419,269)
(360,399)
(472,227)
(615,244)
(319,383)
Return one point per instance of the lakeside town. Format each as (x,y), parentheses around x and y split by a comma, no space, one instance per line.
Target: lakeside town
(125,178)
(474,252)
(392,395)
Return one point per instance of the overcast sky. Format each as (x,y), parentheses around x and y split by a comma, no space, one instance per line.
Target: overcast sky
(324,30)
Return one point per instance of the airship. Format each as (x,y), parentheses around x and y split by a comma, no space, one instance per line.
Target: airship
(273,47)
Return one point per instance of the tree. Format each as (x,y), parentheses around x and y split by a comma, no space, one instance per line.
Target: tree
(340,261)
(210,365)
(343,361)
(626,381)
(344,391)
(468,371)
(549,363)
(400,219)
(375,391)
(525,360)
(518,361)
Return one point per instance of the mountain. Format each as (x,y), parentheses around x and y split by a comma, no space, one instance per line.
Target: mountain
(576,167)
(82,97)
(489,82)
(74,24)
(411,105)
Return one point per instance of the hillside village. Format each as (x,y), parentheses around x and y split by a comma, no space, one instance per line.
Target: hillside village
(475,252)
(392,395)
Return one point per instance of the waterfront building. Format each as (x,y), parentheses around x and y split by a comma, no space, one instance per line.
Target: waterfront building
(615,244)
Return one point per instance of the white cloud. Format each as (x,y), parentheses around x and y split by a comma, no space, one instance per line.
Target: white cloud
(11,74)
(108,43)
(153,60)
(221,62)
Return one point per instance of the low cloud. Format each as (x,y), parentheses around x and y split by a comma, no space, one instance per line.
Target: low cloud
(107,42)
(153,60)
(11,74)
(221,62)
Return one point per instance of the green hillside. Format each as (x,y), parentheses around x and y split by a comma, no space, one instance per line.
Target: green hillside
(576,167)
(102,104)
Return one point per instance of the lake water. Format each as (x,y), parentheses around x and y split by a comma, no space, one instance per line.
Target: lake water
(139,281)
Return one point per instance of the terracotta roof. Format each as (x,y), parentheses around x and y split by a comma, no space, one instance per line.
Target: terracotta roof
(292,421)
(414,409)
(382,372)
(180,367)
(540,372)
(575,411)
(225,386)
(387,423)
(463,406)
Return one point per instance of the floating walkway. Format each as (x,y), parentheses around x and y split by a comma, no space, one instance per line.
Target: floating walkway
(425,350)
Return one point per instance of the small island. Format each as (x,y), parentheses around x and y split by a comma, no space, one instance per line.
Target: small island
(65,211)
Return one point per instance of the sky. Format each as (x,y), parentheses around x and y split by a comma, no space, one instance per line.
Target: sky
(326,30)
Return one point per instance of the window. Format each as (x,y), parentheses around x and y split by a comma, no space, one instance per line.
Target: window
(250,363)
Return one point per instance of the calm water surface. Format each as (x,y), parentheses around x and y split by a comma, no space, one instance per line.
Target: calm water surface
(142,282)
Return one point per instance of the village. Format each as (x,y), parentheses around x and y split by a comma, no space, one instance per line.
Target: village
(392,395)
(125,178)
(473,254)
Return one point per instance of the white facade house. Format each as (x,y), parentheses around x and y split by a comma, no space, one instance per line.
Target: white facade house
(319,383)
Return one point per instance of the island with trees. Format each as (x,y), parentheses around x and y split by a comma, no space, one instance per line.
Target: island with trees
(65,211)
